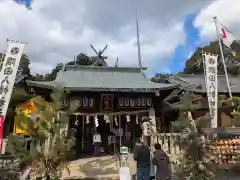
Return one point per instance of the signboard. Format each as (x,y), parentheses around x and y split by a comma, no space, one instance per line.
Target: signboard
(212,87)
(27,108)
(124,150)
(80,102)
(106,102)
(7,76)
(8,163)
(139,102)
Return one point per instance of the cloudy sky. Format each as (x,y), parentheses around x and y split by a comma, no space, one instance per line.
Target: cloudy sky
(170,30)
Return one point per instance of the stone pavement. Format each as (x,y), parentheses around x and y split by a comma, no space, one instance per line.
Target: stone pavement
(107,168)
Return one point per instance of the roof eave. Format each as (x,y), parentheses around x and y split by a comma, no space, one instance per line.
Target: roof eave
(41,85)
(150,89)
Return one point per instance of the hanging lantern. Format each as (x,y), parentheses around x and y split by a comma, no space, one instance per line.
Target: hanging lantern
(87,120)
(76,122)
(128,118)
(106,118)
(96,121)
(115,119)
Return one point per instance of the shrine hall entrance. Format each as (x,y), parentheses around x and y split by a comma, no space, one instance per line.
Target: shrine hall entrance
(115,131)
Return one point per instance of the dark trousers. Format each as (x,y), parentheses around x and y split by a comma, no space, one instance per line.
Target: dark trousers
(105,143)
(111,149)
(158,178)
(97,149)
(143,173)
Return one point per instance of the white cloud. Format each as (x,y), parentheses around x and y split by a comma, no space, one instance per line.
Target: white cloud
(56,31)
(190,54)
(227,12)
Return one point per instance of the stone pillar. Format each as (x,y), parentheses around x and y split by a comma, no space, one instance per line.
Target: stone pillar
(151,115)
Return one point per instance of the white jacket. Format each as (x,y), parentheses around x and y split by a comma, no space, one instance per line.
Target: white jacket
(97,138)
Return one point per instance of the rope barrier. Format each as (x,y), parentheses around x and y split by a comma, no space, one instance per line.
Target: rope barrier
(111,114)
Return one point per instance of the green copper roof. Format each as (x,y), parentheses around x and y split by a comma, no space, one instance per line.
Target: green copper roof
(196,83)
(94,78)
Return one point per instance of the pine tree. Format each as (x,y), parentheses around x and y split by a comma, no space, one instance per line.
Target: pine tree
(195,163)
(234,103)
(231,107)
(51,145)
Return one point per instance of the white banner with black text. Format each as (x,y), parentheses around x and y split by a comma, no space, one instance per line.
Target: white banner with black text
(8,74)
(211,62)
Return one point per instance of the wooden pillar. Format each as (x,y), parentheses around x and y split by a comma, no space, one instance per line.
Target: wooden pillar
(120,135)
(151,115)
(83,124)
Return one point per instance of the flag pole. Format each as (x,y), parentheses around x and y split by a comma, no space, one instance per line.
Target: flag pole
(138,43)
(75,60)
(222,56)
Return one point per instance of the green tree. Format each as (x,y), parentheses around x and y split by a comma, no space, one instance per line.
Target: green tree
(194,65)
(195,163)
(51,146)
(24,64)
(234,105)
(160,78)
(38,77)
(81,59)
(236,111)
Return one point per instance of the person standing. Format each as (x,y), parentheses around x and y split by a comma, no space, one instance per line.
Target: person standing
(162,163)
(97,144)
(141,154)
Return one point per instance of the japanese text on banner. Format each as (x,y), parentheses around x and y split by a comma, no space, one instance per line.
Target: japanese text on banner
(7,76)
(212,87)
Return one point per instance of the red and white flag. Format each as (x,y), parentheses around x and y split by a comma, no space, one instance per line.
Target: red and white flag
(227,37)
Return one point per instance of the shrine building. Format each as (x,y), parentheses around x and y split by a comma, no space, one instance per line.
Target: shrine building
(115,97)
